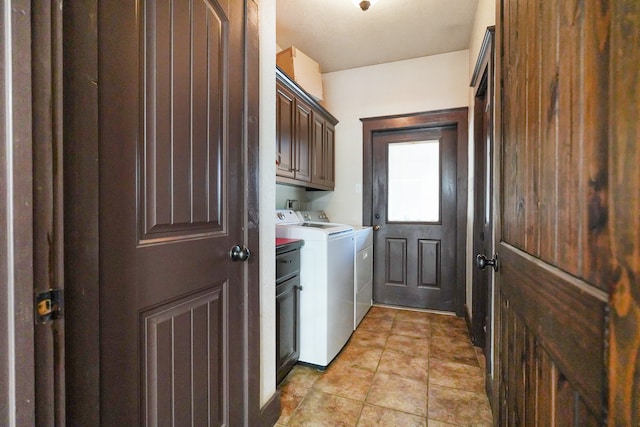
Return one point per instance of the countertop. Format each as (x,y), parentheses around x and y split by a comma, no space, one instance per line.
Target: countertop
(283,245)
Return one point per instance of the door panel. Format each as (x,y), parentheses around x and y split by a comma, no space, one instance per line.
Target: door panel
(304,135)
(417,218)
(554,253)
(171,123)
(180,339)
(184,139)
(284,137)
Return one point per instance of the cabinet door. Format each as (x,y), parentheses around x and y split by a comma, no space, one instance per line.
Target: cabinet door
(329,158)
(287,328)
(318,169)
(285,150)
(302,141)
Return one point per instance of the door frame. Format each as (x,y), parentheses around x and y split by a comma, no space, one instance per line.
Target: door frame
(483,84)
(17,377)
(456,117)
(81,204)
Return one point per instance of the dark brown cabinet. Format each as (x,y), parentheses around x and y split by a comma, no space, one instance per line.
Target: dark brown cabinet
(287,307)
(305,138)
(285,161)
(323,154)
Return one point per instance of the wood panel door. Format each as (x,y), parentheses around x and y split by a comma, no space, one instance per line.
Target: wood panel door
(483,242)
(414,205)
(553,229)
(172,303)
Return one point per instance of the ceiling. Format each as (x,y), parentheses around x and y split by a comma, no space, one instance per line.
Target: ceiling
(339,36)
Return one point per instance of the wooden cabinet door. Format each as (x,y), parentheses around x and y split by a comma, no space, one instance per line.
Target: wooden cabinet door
(303,131)
(323,153)
(317,169)
(285,153)
(287,329)
(329,155)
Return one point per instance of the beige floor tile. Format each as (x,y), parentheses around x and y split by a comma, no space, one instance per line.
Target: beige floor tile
(411,329)
(409,345)
(436,423)
(459,407)
(405,365)
(302,376)
(456,375)
(319,409)
(440,330)
(453,350)
(403,394)
(376,324)
(375,416)
(345,381)
(411,369)
(414,317)
(453,321)
(290,398)
(384,312)
(360,357)
(364,338)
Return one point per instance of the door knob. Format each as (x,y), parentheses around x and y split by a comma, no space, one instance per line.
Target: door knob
(376,227)
(239,253)
(482,262)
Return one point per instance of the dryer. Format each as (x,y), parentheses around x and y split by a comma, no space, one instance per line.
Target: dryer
(363,264)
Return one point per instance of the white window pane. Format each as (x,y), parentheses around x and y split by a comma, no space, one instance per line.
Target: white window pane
(414,182)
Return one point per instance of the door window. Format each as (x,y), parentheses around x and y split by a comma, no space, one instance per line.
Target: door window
(414,181)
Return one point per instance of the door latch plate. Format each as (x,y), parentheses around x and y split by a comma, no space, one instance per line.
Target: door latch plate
(48,305)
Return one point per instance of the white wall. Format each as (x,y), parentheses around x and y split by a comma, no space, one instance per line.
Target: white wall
(485,17)
(422,84)
(267,196)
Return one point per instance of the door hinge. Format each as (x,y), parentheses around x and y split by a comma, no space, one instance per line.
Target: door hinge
(49,305)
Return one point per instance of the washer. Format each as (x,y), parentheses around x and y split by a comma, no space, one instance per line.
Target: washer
(363,265)
(326,276)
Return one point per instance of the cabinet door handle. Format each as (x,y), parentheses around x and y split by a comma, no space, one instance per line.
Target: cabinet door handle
(285,261)
(298,287)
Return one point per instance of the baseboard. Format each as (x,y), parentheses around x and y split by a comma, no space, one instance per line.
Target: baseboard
(270,412)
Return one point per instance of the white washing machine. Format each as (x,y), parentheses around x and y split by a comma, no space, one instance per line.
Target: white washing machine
(326,276)
(363,265)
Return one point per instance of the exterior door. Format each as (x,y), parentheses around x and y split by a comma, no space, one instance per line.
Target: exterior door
(414,211)
(172,309)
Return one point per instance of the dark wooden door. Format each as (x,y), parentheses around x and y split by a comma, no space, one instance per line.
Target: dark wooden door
(483,243)
(553,233)
(482,222)
(414,211)
(172,318)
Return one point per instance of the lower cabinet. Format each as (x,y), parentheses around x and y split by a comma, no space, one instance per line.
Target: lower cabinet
(287,308)
(287,328)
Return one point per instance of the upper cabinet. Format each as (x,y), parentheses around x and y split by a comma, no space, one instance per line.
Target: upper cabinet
(305,138)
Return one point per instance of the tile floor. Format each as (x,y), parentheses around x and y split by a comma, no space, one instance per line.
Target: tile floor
(400,368)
